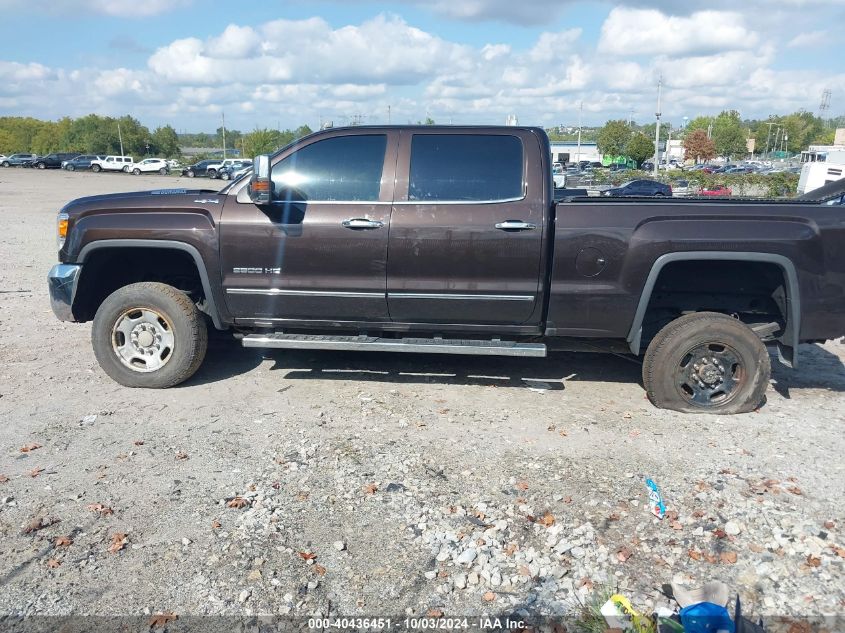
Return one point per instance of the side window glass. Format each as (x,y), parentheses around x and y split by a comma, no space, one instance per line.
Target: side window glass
(343,168)
(465,167)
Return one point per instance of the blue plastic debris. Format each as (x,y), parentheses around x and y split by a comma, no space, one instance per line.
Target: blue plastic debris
(658,508)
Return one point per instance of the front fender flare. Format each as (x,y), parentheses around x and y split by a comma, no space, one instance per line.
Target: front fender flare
(213,309)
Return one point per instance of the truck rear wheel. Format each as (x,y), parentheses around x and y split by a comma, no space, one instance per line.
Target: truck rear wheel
(96,168)
(149,335)
(706,363)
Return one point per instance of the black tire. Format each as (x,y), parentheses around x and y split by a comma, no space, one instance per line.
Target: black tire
(190,173)
(41,166)
(136,171)
(225,175)
(163,171)
(71,168)
(211,174)
(182,320)
(96,168)
(6,163)
(126,169)
(732,378)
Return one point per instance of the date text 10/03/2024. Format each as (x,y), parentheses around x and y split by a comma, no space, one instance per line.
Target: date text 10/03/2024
(418,624)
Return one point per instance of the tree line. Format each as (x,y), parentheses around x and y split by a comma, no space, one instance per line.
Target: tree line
(95,134)
(91,134)
(723,135)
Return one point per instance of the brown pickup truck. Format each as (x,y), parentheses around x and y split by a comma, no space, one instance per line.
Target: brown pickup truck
(449,240)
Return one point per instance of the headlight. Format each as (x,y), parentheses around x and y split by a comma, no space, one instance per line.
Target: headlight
(61,229)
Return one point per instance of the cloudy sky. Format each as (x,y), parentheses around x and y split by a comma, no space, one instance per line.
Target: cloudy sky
(286,62)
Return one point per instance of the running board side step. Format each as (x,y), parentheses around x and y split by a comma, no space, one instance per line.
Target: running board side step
(378,344)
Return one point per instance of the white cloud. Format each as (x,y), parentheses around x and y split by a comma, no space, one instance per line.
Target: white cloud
(650,32)
(809,39)
(292,71)
(115,8)
(384,48)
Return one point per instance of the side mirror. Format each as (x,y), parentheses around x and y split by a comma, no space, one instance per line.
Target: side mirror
(260,186)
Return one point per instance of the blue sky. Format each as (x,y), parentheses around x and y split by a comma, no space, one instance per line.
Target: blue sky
(285,63)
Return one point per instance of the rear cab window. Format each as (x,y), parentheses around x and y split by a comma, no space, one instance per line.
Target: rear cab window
(466,168)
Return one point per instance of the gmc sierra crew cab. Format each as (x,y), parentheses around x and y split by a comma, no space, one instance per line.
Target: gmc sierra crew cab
(449,240)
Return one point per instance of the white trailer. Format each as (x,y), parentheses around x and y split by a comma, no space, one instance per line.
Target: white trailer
(818,174)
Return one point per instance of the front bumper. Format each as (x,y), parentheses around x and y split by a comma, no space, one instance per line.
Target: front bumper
(62,281)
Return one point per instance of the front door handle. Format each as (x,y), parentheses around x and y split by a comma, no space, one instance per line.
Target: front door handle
(362,223)
(515,225)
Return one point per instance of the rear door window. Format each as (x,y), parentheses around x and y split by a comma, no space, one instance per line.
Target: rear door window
(465,168)
(338,169)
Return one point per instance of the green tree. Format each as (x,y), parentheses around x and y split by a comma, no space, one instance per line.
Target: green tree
(261,141)
(728,135)
(302,130)
(639,147)
(7,142)
(165,141)
(613,138)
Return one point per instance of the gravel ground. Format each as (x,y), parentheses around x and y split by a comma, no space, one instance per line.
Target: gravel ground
(303,483)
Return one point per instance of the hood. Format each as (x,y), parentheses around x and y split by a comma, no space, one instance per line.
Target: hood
(155,199)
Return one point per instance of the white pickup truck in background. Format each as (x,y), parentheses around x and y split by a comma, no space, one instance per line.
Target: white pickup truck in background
(214,168)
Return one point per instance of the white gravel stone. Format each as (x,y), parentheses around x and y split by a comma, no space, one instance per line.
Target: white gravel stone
(460,581)
(467,556)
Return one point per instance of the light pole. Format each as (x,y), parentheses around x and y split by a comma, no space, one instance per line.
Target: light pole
(580,112)
(657,129)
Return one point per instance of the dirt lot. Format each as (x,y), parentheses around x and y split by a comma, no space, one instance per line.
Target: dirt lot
(387,484)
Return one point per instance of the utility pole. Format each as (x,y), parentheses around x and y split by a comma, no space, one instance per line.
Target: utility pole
(224,134)
(388,115)
(580,112)
(657,128)
(769,137)
(120,136)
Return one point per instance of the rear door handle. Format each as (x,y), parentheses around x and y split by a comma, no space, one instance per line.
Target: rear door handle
(362,223)
(515,225)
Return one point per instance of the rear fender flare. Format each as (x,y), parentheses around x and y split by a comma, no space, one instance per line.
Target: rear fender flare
(793,296)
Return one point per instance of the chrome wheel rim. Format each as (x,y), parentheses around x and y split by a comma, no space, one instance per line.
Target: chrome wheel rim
(143,339)
(710,374)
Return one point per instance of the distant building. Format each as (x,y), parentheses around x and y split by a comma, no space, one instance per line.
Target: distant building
(211,152)
(566,152)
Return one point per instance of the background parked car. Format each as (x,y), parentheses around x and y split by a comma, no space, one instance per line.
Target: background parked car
(640,188)
(717,191)
(53,161)
(16,160)
(214,171)
(213,168)
(681,189)
(81,162)
(113,163)
(233,172)
(198,169)
(150,165)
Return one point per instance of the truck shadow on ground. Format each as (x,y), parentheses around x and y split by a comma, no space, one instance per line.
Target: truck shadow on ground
(226,358)
(818,369)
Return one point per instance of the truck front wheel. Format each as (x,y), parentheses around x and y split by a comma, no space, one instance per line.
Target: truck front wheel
(706,363)
(149,335)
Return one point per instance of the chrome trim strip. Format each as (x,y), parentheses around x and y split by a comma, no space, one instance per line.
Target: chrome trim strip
(425,202)
(424,346)
(301,293)
(433,295)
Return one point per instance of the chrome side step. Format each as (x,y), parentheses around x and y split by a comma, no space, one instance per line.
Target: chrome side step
(378,344)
